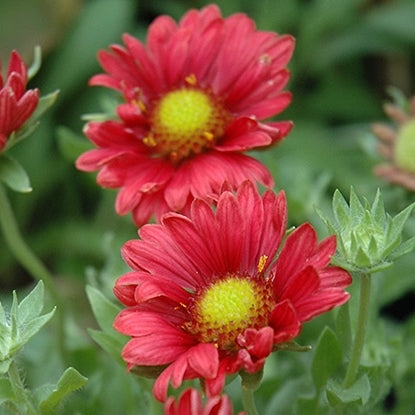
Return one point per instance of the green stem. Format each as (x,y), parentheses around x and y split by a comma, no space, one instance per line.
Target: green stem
(27,258)
(20,392)
(359,339)
(248,401)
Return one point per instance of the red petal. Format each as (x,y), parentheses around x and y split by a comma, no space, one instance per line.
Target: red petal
(284,321)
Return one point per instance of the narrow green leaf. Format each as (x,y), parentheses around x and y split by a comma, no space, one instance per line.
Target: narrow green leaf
(359,392)
(373,248)
(13,175)
(70,381)
(3,319)
(29,329)
(341,209)
(14,323)
(45,102)
(71,145)
(4,365)
(5,340)
(356,208)
(31,306)
(327,358)
(104,310)
(6,391)
(398,222)
(403,249)
(362,259)
(111,343)
(378,209)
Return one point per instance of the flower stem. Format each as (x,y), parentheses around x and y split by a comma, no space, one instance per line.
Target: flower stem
(359,339)
(27,258)
(248,401)
(19,391)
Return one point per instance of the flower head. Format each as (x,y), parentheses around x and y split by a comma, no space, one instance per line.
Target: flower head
(16,104)
(397,145)
(190,403)
(216,292)
(195,96)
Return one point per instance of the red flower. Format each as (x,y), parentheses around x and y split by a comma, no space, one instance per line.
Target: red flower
(190,403)
(216,292)
(16,104)
(194,96)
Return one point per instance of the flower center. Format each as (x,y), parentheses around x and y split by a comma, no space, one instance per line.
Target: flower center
(405,147)
(185,122)
(228,307)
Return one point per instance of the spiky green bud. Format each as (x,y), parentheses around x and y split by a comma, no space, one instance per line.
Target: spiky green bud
(368,238)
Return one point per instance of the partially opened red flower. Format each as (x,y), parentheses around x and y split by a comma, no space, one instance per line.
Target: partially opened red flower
(218,291)
(195,96)
(190,403)
(16,104)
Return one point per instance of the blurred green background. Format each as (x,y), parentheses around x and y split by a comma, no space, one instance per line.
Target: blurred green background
(348,53)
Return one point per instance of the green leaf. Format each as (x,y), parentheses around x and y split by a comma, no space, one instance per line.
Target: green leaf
(4,366)
(14,175)
(70,381)
(28,330)
(327,358)
(31,306)
(361,258)
(378,209)
(356,208)
(6,391)
(71,145)
(341,209)
(5,340)
(359,392)
(3,319)
(104,310)
(403,249)
(398,222)
(112,343)
(24,324)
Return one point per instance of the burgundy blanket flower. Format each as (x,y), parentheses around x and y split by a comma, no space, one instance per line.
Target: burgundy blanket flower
(217,292)
(16,104)
(195,96)
(190,403)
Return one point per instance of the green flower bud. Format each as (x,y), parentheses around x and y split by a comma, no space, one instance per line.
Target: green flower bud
(405,147)
(368,238)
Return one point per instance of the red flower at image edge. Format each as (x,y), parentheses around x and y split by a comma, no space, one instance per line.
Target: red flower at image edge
(209,295)
(194,97)
(190,403)
(16,104)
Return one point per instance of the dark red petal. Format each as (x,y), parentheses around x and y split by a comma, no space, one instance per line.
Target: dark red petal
(300,286)
(283,319)
(299,246)
(321,302)
(258,343)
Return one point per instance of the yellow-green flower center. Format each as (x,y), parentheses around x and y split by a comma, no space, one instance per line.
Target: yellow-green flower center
(405,147)
(228,307)
(185,122)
